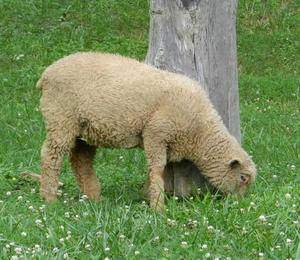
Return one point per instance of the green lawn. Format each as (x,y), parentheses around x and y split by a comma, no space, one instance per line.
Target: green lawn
(262,225)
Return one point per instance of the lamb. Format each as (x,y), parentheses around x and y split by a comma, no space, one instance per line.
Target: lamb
(92,100)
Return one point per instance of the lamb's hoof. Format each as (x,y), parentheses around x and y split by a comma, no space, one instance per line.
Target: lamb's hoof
(92,196)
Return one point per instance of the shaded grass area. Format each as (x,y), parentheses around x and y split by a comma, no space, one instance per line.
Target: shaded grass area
(33,34)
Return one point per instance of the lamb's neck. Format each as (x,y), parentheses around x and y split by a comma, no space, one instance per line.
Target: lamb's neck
(212,142)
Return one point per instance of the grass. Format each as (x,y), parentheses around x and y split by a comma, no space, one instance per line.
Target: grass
(33,34)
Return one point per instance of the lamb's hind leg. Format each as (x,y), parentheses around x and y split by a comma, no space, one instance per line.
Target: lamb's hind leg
(52,155)
(82,157)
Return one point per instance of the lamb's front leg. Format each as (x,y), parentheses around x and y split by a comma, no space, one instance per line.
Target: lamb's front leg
(156,157)
(155,184)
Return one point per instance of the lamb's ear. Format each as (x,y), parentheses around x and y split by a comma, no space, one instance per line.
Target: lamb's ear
(234,163)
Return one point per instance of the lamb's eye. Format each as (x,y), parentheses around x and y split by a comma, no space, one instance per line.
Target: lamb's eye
(244,179)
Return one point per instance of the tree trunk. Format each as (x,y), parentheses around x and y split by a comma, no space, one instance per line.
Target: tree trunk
(197,38)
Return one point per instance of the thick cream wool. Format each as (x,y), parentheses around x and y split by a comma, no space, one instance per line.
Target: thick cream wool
(92,100)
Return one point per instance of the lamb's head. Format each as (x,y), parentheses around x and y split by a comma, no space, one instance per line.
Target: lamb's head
(230,171)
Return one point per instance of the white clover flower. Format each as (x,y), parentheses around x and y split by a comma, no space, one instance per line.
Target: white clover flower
(18,250)
(204,246)
(171,222)
(252,204)
(23,234)
(99,234)
(166,249)
(278,247)
(275,176)
(20,197)
(62,227)
(106,249)
(84,197)
(85,214)
(244,231)
(55,250)
(1,201)
(122,237)
(8,193)
(61,240)
(262,218)
(37,248)
(289,241)
(156,238)
(288,196)
(66,256)
(207,255)
(186,233)
(136,252)
(14,257)
(242,210)
(7,246)
(293,167)
(88,246)
(184,244)
(261,254)
(12,243)
(67,214)
(32,191)
(19,57)
(210,228)
(38,222)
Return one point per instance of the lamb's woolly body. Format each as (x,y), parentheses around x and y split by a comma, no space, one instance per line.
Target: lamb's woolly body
(112,101)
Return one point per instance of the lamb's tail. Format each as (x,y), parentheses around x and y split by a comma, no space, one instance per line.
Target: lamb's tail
(40,83)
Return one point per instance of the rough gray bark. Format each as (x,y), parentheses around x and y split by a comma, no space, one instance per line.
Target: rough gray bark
(197,38)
